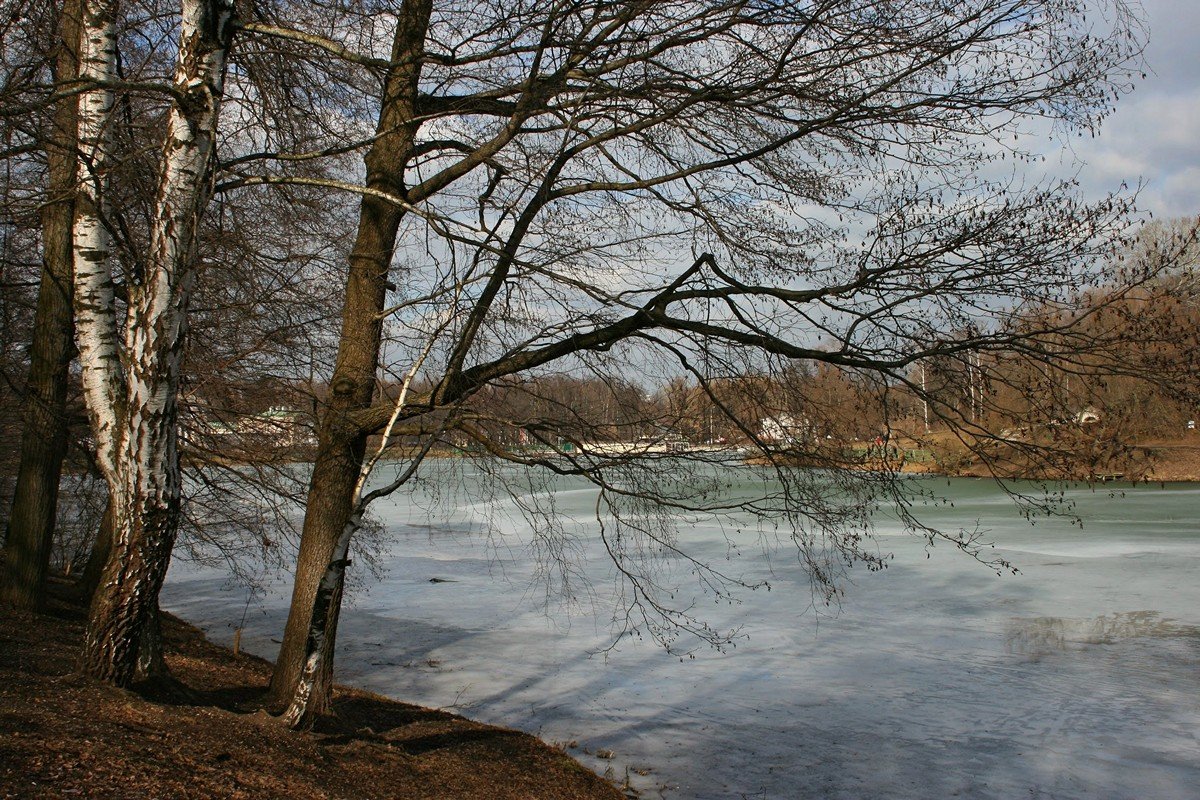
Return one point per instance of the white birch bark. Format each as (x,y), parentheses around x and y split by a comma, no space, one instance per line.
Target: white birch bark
(157,316)
(95,317)
(145,455)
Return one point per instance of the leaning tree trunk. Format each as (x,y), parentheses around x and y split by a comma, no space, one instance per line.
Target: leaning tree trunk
(43,440)
(316,673)
(317,669)
(142,460)
(341,444)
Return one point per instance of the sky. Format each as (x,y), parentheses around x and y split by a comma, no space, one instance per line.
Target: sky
(1154,136)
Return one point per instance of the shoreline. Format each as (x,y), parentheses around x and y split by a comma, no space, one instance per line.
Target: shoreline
(200,733)
(1151,463)
(1154,461)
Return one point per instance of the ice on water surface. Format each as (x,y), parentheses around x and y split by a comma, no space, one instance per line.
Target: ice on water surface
(1076,678)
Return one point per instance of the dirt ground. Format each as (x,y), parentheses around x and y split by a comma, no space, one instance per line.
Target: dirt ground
(1174,461)
(1143,462)
(202,735)
(1085,458)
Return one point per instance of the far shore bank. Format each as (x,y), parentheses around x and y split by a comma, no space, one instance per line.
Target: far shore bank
(1159,461)
(1175,461)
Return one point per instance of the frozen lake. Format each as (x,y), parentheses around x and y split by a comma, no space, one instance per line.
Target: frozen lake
(1077,678)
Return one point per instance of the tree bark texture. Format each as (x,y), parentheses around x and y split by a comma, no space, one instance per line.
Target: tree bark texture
(126,602)
(341,444)
(142,459)
(150,661)
(311,695)
(43,440)
(89,579)
(94,301)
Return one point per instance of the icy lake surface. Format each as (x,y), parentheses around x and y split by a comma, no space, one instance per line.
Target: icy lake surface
(1077,678)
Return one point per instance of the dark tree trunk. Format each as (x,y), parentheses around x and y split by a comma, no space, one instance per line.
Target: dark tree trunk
(89,580)
(150,663)
(43,441)
(341,444)
(317,671)
(329,499)
(144,532)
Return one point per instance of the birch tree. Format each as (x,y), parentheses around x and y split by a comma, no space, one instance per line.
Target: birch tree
(131,371)
(759,183)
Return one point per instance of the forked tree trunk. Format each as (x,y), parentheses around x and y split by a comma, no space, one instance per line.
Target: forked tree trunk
(341,445)
(43,440)
(137,397)
(339,455)
(317,670)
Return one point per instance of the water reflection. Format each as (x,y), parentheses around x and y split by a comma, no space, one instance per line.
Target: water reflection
(911,671)
(1039,636)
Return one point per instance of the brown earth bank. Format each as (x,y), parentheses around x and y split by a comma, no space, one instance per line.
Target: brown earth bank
(1172,461)
(1141,462)
(1085,460)
(201,734)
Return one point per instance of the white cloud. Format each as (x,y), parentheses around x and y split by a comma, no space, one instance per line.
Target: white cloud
(1154,137)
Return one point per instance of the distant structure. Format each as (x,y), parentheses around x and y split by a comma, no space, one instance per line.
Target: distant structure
(278,426)
(784,429)
(282,426)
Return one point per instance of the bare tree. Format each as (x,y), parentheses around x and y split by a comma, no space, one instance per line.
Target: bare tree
(132,388)
(705,193)
(262,316)
(722,187)
(44,435)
